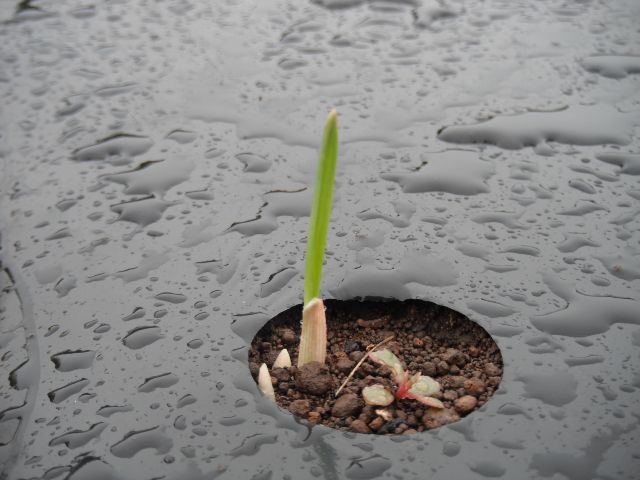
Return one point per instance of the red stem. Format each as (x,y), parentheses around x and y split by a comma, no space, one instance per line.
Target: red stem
(402,387)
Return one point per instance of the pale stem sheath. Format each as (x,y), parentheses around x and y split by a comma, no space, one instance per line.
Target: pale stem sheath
(313,341)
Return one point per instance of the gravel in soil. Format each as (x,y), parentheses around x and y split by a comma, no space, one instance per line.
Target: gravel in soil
(433,340)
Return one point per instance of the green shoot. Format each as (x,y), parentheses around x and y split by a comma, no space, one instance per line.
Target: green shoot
(321,209)
(313,341)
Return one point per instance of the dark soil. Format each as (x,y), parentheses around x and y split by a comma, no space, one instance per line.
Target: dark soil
(433,340)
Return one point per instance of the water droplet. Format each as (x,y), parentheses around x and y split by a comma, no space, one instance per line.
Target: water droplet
(575,125)
(522,250)
(136,441)
(180,422)
(574,241)
(79,438)
(588,360)
(188,451)
(61,394)
(102,328)
(622,264)
(582,186)
(254,163)
(451,449)
(231,421)
(367,468)
(48,274)
(144,211)
(629,163)
(64,286)
(60,234)
(553,388)
(107,411)
(415,267)
(153,178)
(182,137)
(138,312)
(165,380)
(22,376)
(171,297)
(69,360)
(140,337)
(472,249)
(117,150)
(440,173)
(199,195)
(251,445)
(114,90)
(84,12)
(612,66)
(277,281)
(488,468)
(65,205)
(278,203)
(186,400)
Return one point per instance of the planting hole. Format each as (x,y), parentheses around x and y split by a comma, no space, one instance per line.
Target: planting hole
(426,338)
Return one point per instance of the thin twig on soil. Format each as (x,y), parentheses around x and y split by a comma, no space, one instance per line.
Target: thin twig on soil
(369,350)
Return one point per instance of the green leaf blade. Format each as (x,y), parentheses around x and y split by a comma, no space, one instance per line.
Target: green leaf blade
(422,391)
(425,387)
(385,357)
(432,402)
(377,395)
(321,209)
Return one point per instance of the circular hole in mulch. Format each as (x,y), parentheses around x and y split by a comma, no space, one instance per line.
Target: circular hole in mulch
(429,339)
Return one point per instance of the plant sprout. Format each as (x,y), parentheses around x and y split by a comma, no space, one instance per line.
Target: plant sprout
(313,341)
(264,383)
(417,387)
(283,359)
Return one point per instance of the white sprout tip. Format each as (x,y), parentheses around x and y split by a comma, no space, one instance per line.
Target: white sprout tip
(264,383)
(283,359)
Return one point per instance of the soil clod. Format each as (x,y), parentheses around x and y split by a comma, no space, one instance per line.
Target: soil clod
(314,378)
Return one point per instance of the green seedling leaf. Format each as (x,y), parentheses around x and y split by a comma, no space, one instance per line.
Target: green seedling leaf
(385,357)
(422,391)
(377,395)
(432,402)
(321,209)
(425,387)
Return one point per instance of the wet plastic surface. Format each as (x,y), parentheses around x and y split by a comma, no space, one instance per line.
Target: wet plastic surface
(156,165)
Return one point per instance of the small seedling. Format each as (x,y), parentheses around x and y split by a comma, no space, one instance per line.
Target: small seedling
(313,340)
(417,387)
